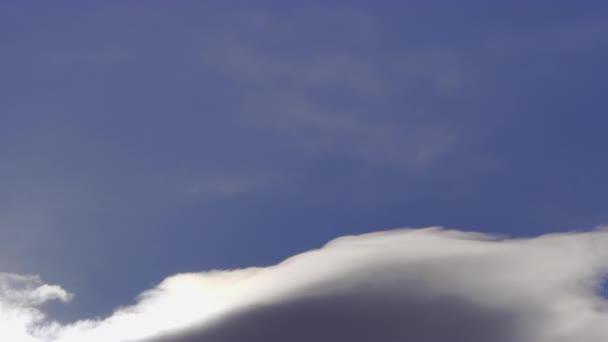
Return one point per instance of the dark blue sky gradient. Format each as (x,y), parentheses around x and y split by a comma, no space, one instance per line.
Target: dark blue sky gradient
(141,139)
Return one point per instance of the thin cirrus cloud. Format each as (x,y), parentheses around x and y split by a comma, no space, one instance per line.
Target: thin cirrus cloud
(291,93)
(427,285)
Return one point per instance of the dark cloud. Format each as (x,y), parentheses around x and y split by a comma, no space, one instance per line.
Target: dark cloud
(361,316)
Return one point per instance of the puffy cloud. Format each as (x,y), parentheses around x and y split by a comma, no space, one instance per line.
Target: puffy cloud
(426,285)
(19,297)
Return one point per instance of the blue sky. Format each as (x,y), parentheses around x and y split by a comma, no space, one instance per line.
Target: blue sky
(143,139)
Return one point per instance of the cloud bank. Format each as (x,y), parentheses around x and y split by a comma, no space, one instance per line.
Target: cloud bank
(424,285)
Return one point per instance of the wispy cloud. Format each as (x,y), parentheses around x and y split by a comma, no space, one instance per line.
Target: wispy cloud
(334,94)
(223,186)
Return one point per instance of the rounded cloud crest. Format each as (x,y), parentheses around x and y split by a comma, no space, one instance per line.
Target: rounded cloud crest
(425,285)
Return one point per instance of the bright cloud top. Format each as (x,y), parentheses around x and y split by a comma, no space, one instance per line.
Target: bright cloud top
(427,285)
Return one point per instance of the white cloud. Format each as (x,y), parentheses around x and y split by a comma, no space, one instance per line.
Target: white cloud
(19,297)
(425,284)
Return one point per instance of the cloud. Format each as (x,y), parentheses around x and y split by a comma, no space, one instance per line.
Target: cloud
(426,285)
(342,93)
(19,297)
(225,185)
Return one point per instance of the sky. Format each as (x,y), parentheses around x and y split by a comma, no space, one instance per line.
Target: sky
(145,144)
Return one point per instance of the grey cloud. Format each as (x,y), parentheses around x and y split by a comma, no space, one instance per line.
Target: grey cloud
(361,315)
